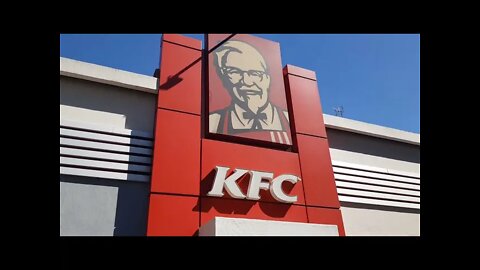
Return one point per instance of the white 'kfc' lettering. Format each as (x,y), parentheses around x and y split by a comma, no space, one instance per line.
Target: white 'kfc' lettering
(256,183)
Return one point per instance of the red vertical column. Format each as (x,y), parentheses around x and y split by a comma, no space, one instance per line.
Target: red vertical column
(321,196)
(175,184)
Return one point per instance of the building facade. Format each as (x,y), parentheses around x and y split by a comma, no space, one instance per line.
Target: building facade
(107,136)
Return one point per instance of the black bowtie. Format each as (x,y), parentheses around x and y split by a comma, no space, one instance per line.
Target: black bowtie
(256,118)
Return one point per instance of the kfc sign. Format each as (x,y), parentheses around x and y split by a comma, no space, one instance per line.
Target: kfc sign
(257,182)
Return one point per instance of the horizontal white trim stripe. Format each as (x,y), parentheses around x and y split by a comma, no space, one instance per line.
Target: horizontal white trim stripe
(104,164)
(105,138)
(104,155)
(403,173)
(106,129)
(385,196)
(378,202)
(105,174)
(374,169)
(376,175)
(342,184)
(106,146)
(363,180)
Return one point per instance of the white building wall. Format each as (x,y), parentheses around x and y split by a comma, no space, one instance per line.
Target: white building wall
(96,103)
(123,100)
(97,205)
(368,219)
(376,161)
(373,151)
(367,222)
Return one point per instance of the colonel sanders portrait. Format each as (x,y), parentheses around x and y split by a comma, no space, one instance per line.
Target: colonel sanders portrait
(245,74)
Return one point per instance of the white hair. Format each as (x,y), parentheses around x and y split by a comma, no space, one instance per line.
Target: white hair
(236,46)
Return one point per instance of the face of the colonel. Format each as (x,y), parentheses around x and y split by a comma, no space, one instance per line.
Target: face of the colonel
(244,73)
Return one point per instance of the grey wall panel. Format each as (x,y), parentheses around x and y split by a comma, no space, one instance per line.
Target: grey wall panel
(93,206)
(358,143)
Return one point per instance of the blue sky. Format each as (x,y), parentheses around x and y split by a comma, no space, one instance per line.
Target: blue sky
(375,77)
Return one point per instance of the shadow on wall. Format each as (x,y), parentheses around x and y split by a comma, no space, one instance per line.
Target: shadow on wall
(137,107)
(359,143)
(132,206)
(130,213)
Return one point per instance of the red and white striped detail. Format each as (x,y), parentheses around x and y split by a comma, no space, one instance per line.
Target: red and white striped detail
(280,136)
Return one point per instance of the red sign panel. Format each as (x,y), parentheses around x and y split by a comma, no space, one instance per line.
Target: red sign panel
(246,89)
(195,178)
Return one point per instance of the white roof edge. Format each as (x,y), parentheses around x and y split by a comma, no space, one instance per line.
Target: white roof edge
(101,74)
(340,123)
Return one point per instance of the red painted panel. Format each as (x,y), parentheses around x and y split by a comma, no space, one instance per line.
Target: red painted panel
(317,172)
(246,95)
(217,153)
(176,159)
(289,69)
(321,215)
(183,40)
(214,39)
(180,79)
(170,215)
(218,207)
(307,110)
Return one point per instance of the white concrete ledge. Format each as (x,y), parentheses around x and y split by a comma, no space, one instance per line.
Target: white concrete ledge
(345,124)
(221,226)
(106,75)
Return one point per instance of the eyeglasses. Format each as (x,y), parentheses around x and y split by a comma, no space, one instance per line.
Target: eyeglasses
(236,74)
